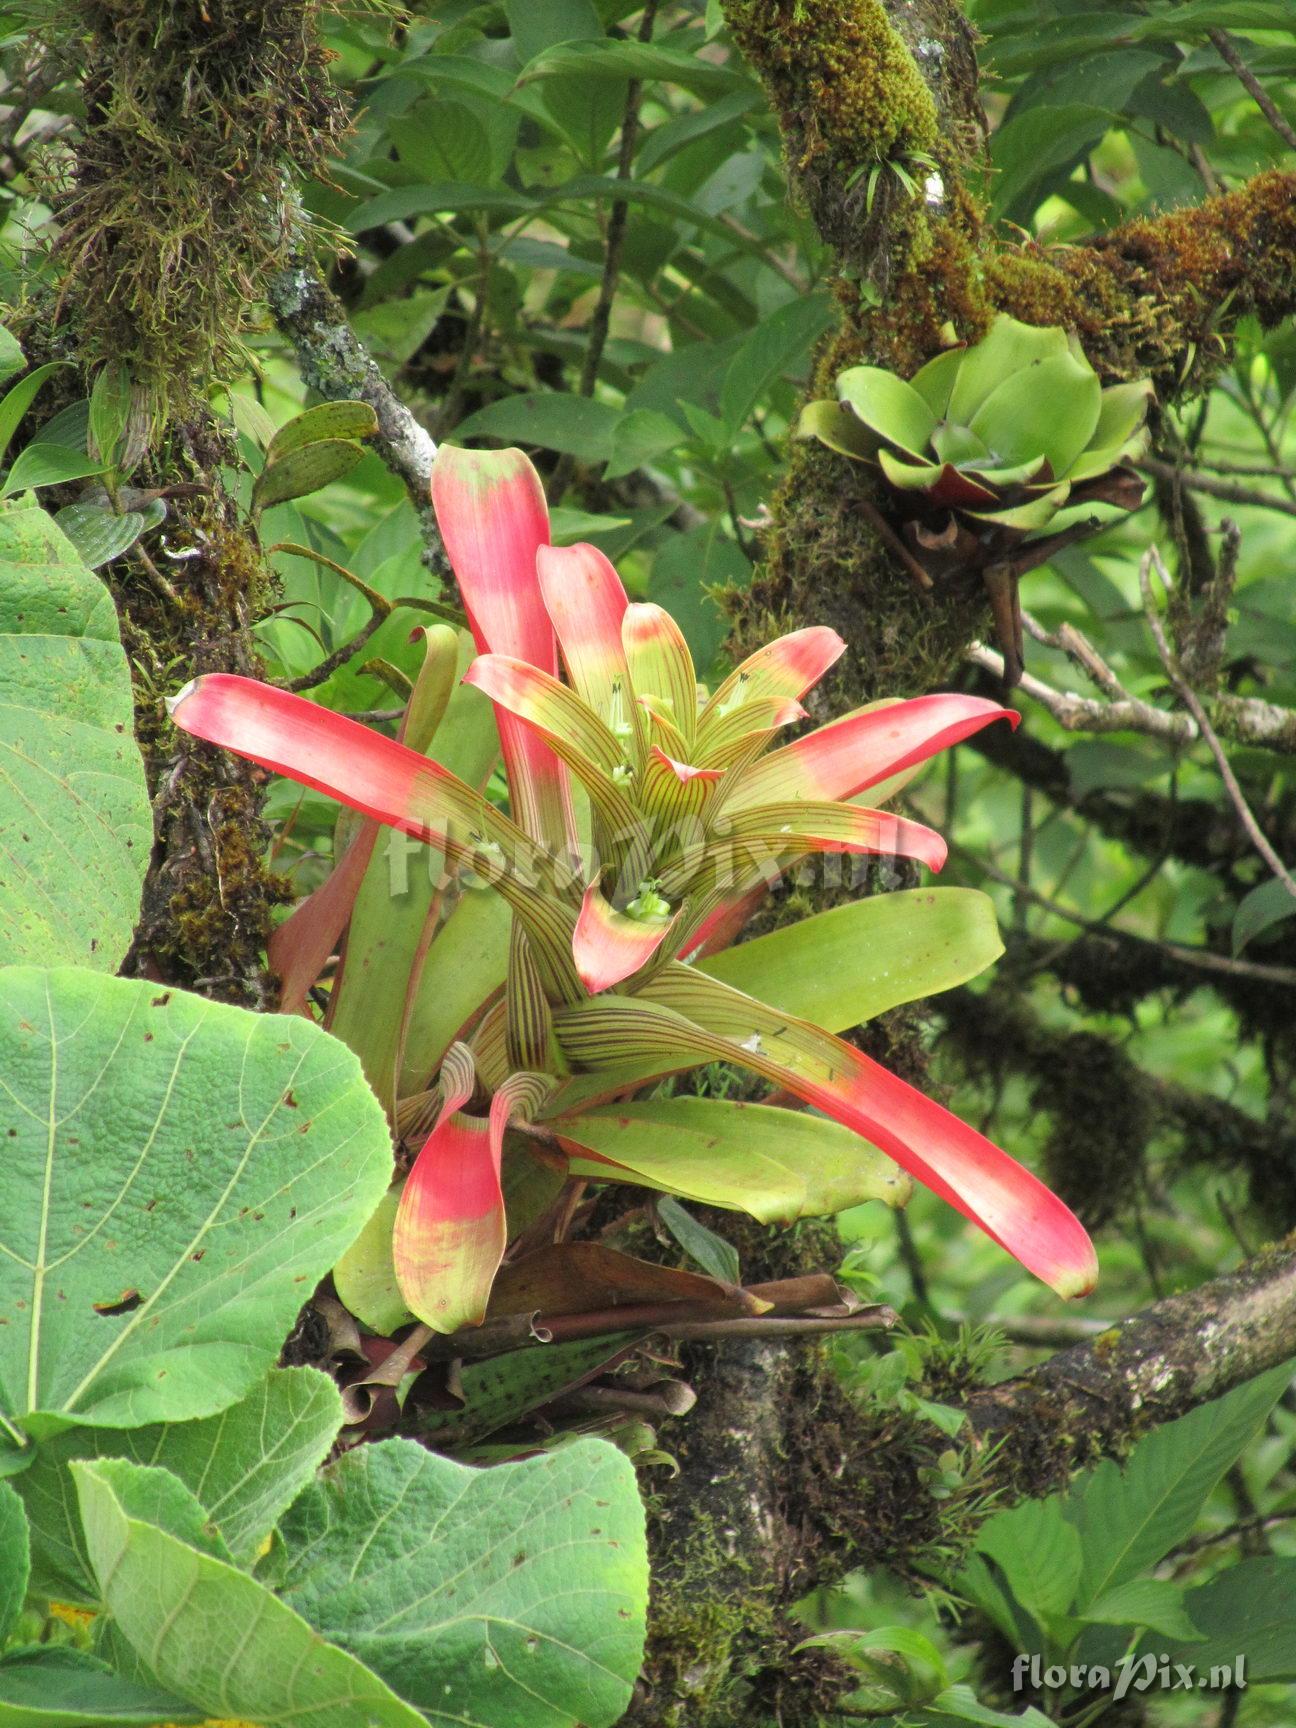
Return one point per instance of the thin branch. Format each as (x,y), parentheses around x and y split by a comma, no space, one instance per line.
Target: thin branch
(1244,470)
(339,656)
(601,317)
(1257,1525)
(798,283)
(1152,559)
(613,246)
(1227,50)
(1197,959)
(1088,713)
(1225,490)
(1246,720)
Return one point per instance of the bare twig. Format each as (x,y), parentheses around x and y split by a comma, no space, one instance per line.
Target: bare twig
(1227,50)
(1244,470)
(339,656)
(1197,959)
(1088,713)
(1226,490)
(1152,560)
(613,246)
(1241,719)
(600,318)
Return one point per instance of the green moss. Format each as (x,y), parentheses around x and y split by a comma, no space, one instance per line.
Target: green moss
(196,111)
(849,99)
(1159,297)
(844,81)
(705,1636)
(208,899)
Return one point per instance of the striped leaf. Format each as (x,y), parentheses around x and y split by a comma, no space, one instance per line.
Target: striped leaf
(851,754)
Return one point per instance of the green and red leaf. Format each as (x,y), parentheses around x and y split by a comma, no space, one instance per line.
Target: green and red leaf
(491,510)
(849,755)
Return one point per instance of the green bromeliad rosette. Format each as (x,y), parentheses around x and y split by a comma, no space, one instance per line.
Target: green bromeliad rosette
(646,822)
(994,455)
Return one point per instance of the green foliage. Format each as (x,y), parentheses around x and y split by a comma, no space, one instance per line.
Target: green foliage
(536,1601)
(478,188)
(1014,435)
(154,1265)
(124,1305)
(73,805)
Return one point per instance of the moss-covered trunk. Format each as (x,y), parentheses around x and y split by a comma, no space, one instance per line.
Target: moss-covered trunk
(198,113)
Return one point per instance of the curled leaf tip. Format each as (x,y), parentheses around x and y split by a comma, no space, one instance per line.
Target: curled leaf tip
(173,702)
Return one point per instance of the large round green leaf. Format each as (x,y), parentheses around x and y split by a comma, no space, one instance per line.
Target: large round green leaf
(485,1597)
(74,808)
(248,1463)
(205,1629)
(177,1176)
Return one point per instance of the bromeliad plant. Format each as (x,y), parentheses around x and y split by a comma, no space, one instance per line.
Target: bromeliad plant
(995,455)
(646,822)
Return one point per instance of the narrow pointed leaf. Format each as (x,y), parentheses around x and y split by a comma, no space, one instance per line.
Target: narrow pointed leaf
(586,602)
(491,511)
(735,738)
(299,947)
(541,702)
(851,754)
(962,1166)
(787,667)
(383,779)
(662,732)
(772,835)
(681,1018)
(578,736)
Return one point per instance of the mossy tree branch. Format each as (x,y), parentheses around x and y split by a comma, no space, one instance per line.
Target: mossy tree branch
(195,114)
(856,85)
(1094,1400)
